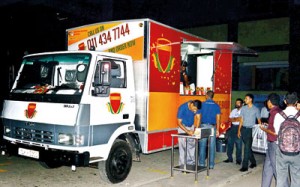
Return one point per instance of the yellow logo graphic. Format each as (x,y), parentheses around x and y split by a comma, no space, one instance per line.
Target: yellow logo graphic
(115,106)
(30,112)
(222,126)
(163,59)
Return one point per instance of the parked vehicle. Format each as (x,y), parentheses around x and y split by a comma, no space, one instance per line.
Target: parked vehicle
(112,95)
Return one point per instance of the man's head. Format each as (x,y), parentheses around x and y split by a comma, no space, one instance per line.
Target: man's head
(210,94)
(273,100)
(195,105)
(290,98)
(238,103)
(183,65)
(249,98)
(298,105)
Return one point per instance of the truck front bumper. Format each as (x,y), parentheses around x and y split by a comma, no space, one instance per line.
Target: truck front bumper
(49,155)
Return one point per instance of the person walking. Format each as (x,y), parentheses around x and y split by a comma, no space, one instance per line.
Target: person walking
(249,114)
(188,118)
(234,118)
(287,166)
(211,114)
(269,168)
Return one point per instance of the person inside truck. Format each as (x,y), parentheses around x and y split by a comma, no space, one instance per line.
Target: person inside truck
(183,74)
(188,118)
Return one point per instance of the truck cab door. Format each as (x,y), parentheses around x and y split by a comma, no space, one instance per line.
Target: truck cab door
(112,95)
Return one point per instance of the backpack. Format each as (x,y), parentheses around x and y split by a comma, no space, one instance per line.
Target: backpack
(289,135)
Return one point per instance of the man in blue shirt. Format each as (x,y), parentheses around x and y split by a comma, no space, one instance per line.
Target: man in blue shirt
(188,118)
(211,114)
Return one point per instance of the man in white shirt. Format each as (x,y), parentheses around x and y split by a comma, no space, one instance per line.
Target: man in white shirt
(234,118)
(285,164)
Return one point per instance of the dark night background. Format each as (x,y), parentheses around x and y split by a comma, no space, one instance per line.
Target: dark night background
(39,25)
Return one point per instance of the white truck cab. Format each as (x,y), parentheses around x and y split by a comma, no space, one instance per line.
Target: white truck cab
(73,108)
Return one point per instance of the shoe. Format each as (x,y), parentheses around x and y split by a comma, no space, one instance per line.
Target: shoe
(243,169)
(238,162)
(252,165)
(227,161)
(211,167)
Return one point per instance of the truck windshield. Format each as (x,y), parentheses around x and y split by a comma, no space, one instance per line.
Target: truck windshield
(51,77)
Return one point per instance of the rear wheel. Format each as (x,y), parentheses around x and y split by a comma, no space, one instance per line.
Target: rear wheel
(118,164)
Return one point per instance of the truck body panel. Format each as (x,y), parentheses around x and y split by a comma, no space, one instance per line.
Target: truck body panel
(156,52)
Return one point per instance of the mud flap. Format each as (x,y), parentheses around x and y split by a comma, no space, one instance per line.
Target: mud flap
(133,141)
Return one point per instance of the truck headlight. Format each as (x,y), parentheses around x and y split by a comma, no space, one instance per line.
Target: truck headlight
(7,131)
(66,139)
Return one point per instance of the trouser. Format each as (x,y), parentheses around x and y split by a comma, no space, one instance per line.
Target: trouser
(233,139)
(269,169)
(190,160)
(286,165)
(247,140)
(212,147)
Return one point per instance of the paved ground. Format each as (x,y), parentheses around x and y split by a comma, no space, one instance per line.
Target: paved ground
(153,170)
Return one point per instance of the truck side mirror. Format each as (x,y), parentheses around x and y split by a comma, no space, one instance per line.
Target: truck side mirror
(102,79)
(81,72)
(105,73)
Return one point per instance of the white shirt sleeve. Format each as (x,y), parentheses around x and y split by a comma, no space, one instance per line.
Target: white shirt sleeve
(277,122)
(231,114)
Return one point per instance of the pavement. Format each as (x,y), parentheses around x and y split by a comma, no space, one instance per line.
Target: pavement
(223,174)
(153,170)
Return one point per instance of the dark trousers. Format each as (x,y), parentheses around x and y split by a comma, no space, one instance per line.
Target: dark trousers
(234,140)
(247,140)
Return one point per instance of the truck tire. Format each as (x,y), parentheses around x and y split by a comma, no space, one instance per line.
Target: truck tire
(50,165)
(118,164)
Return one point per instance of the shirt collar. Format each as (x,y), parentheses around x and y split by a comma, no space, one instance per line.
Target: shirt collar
(274,108)
(290,108)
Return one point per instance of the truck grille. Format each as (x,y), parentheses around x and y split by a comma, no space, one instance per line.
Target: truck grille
(34,135)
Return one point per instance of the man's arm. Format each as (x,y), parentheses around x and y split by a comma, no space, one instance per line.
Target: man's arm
(197,120)
(240,127)
(267,130)
(237,119)
(186,80)
(189,132)
(259,121)
(258,117)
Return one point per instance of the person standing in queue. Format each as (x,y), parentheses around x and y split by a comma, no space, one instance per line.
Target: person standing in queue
(269,169)
(211,115)
(188,118)
(249,114)
(287,163)
(232,134)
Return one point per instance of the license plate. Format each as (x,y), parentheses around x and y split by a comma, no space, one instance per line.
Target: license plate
(29,153)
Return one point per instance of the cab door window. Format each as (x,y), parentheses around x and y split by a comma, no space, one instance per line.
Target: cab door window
(118,78)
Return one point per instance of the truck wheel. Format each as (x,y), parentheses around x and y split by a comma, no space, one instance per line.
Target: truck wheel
(50,164)
(118,164)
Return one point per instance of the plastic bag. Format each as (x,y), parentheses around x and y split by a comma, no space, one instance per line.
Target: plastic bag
(259,143)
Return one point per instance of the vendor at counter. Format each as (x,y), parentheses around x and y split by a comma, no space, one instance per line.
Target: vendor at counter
(188,118)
